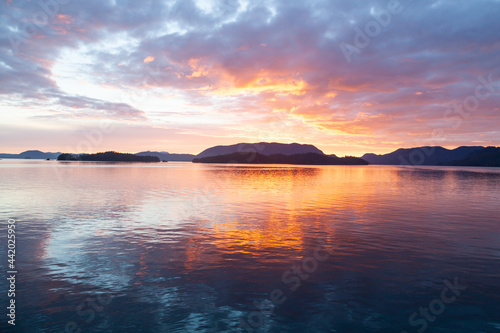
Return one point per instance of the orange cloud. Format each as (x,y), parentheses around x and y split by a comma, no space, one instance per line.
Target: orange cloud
(263,84)
(59,30)
(197,69)
(64,19)
(149,59)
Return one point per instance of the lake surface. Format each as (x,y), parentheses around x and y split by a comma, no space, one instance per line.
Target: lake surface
(182,247)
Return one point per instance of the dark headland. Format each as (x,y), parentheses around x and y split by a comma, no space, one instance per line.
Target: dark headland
(264,148)
(273,153)
(300,159)
(439,156)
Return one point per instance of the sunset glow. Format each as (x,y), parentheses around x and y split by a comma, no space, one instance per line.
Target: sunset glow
(181,76)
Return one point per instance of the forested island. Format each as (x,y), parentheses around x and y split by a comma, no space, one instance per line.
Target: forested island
(300,159)
(109,156)
(486,157)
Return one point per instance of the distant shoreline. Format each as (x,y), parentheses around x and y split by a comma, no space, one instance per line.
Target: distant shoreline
(427,155)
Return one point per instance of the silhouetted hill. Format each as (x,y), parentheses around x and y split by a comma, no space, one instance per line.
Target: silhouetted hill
(421,156)
(164,156)
(301,159)
(487,157)
(32,154)
(263,148)
(109,156)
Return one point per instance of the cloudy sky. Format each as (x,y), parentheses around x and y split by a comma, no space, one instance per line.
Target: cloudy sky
(350,76)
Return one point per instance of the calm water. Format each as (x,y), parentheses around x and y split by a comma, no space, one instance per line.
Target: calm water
(181,247)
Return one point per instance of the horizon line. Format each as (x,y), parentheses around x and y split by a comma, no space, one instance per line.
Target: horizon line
(184,153)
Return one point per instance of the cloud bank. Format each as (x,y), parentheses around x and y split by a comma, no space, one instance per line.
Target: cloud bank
(349,76)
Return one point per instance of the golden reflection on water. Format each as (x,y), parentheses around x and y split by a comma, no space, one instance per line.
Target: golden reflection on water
(270,209)
(165,236)
(213,210)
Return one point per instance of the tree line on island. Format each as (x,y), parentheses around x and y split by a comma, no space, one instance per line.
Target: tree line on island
(109,156)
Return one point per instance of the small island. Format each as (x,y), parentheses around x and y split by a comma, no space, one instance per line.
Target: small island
(299,159)
(109,156)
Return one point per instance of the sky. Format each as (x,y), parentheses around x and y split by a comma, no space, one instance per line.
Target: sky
(349,76)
